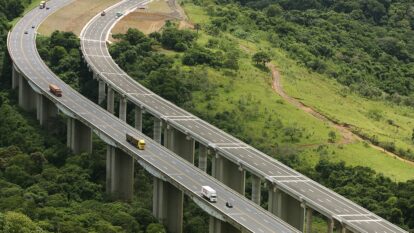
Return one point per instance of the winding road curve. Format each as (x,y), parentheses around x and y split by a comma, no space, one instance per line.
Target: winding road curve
(334,206)
(161,162)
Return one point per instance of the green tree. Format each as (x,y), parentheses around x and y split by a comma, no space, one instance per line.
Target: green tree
(261,57)
(155,228)
(332,136)
(14,222)
(197,27)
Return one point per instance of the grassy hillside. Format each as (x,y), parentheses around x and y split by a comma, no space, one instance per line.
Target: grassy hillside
(182,84)
(248,91)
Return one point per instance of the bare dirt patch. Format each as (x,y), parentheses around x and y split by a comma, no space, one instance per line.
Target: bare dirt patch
(143,21)
(74,16)
(153,17)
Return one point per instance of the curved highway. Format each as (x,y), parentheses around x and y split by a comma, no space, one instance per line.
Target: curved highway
(318,197)
(159,161)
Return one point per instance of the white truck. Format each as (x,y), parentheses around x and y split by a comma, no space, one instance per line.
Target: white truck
(42,4)
(209,193)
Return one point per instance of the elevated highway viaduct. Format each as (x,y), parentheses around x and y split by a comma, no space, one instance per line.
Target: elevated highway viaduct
(173,175)
(292,196)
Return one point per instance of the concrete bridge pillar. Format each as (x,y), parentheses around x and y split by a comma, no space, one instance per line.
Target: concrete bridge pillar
(157,130)
(342,229)
(331,225)
(286,207)
(334,226)
(167,205)
(228,173)
(101,93)
(119,174)
(218,226)
(123,108)
(15,77)
(79,136)
(138,118)
(179,143)
(110,100)
(202,157)
(45,109)
(308,220)
(256,189)
(27,97)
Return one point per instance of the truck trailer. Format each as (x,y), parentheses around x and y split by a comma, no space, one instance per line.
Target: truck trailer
(209,193)
(138,143)
(55,90)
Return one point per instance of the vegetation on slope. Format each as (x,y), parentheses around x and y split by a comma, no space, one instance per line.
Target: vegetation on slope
(371,58)
(60,192)
(393,130)
(135,53)
(43,186)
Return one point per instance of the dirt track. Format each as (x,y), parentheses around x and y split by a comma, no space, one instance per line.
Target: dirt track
(347,135)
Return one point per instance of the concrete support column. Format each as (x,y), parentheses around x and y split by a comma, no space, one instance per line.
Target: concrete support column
(101,93)
(256,189)
(138,118)
(79,136)
(157,130)
(168,205)
(218,226)
(27,97)
(15,77)
(229,173)
(331,225)
(38,105)
(308,220)
(202,157)
(45,109)
(181,144)
(342,229)
(123,108)
(286,207)
(119,174)
(110,100)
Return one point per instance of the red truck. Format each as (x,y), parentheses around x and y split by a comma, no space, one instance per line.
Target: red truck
(55,90)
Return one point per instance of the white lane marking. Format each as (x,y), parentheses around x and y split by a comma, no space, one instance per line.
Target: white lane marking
(365,220)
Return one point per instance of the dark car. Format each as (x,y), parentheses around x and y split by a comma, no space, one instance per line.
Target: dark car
(33,26)
(47,8)
(25,32)
(229,205)
(103,13)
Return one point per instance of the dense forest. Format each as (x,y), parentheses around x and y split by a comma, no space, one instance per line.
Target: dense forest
(43,186)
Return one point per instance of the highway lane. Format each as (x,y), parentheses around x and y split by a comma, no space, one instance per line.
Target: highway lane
(170,167)
(320,198)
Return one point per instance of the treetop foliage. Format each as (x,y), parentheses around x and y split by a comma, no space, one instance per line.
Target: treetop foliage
(365,44)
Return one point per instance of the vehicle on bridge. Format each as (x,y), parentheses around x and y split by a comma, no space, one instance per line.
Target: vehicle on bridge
(42,4)
(103,13)
(138,143)
(229,204)
(209,193)
(55,90)
(118,14)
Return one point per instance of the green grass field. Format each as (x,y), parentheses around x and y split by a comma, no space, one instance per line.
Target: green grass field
(315,90)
